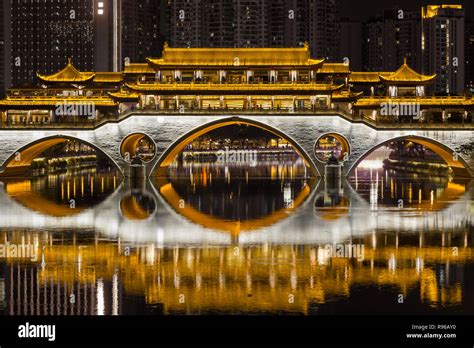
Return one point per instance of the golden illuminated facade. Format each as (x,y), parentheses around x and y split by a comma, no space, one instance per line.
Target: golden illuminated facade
(224,80)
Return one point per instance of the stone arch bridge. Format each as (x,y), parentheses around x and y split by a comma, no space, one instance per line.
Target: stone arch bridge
(171,133)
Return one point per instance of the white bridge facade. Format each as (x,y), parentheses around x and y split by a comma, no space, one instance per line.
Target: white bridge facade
(301,130)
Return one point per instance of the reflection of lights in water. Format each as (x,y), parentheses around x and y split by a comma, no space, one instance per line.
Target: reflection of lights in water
(150,254)
(160,237)
(312,256)
(79,260)
(419,264)
(115,300)
(221,279)
(100,297)
(272,280)
(294,279)
(177,279)
(323,256)
(374,196)
(2,291)
(248,278)
(287,195)
(198,280)
(392,263)
(372,164)
(374,240)
(431,197)
(190,257)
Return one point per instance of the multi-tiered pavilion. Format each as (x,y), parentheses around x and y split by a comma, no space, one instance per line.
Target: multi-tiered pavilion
(229,79)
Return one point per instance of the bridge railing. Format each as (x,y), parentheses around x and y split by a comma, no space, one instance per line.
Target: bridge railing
(321,111)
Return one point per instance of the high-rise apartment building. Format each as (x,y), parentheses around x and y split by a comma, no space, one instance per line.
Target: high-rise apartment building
(44,34)
(401,39)
(219,24)
(442,46)
(288,23)
(140,30)
(373,55)
(251,23)
(324,29)
(186,22)
(351,43)
(391,38)
(254,23)
(469,81)
(2,50)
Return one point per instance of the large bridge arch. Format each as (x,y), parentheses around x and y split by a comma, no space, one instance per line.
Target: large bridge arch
(455,161)
(20,160)
(167,157)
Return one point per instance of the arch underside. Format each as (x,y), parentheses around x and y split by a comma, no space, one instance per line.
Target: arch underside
(345,146)
(20,161)
(130,144)
(458,165)
(178,146)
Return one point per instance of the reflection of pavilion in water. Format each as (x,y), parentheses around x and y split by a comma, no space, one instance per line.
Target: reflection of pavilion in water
(251,279)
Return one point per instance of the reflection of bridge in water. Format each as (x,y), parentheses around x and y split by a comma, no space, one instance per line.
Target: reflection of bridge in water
(119,217)
(173,259)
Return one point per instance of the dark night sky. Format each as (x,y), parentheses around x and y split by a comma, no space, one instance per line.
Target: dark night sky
(368,8)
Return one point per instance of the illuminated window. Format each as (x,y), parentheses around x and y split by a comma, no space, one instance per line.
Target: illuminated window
(100,11)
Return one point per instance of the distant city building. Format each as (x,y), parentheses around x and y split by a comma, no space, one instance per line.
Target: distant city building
(141,37)
(324,28)
(254,23)
(44,34)
(288,23)
(391,38)
(443,46)
(401,39)
(2,50)
(219,26)
(251,23)
(185,22)
(351,43)
(373,44)
(470,55)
